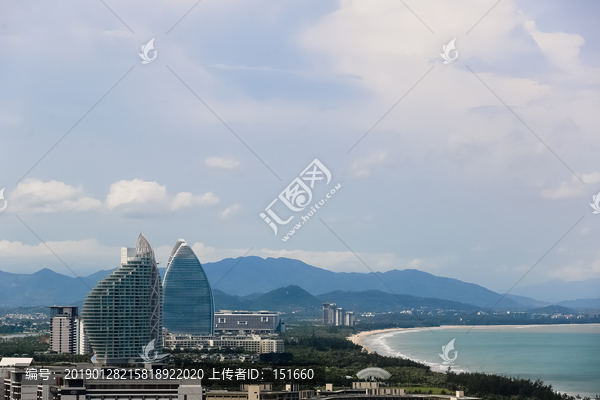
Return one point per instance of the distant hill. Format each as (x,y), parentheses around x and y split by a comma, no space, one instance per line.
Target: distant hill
(378,301)
(556,290)
(582,304)
(288,299)
(295,299)
(224,301)
(253,275)
(554,309)
(272,273)
(251,296)
(528,302)
(44,287)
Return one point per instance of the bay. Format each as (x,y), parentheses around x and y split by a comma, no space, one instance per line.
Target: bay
(565,356)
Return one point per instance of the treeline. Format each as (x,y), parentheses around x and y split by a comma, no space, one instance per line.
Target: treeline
(11,328)
(18,326)
(492,387)
(323,343)
(329,347)
(22,347)
(29,346)
(62,358)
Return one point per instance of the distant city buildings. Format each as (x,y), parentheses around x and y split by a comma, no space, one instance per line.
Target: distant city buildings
(188,305)
(248,322)
(123,312)
(335,316)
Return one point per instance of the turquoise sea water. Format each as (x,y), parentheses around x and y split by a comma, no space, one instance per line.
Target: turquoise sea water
(565,356)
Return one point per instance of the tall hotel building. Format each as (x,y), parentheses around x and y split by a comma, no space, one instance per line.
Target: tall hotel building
(188,303)
(123,313)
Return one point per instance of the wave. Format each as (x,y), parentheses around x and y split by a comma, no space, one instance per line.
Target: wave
(378,343)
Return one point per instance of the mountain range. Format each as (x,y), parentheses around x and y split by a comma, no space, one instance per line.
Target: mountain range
(294,299)
(232,276)
(241,284)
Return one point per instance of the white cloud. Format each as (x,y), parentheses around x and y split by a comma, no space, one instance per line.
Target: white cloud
(346,261)
(450,111)
(85,247)
(230,212)
(186,199)
(84,257)
(35,196)
(577,270)
(132,194)
(222,163)
(574,188)
(562,49)
(241,68)
(362,168)
(337,261)
(135,191)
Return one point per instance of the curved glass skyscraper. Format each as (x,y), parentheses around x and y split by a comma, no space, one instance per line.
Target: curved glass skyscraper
(188,305)
(122,313)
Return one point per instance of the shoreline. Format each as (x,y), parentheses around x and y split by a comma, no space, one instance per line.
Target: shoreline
(361,336)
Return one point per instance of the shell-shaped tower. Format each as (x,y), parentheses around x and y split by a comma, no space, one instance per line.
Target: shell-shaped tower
(123,312)
(188,303)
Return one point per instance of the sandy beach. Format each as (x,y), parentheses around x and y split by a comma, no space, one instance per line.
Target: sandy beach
(360,337)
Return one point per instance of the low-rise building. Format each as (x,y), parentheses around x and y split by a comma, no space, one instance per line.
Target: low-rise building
(250,343)
(260,392)
(246,321)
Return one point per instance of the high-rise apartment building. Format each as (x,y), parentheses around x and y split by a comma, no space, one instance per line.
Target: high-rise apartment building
(64,323)
(335,316)
(349,318)
(123,312)
(188,304)
(66,331)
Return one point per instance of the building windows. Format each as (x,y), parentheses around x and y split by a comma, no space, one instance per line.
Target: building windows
(242,322)
(264,319)
(222,320)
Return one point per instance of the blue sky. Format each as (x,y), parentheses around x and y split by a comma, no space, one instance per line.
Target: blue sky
(450,182)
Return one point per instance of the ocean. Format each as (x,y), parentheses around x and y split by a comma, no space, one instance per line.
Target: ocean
(565,356)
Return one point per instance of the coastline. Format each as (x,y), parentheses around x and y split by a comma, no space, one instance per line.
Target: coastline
(361,336)
(377,341)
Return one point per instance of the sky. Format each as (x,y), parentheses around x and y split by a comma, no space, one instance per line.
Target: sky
(481,169)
